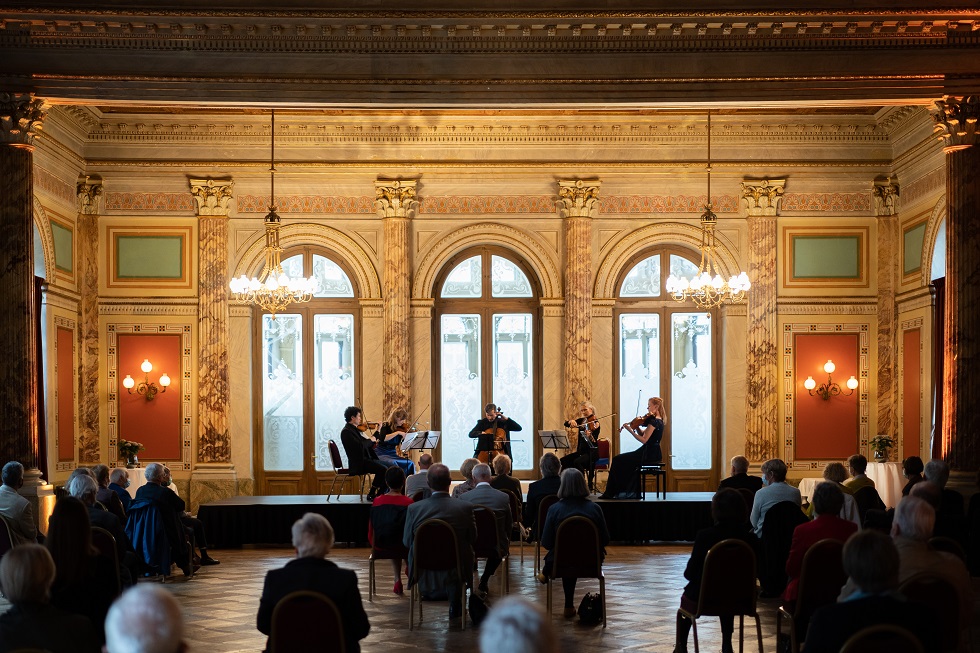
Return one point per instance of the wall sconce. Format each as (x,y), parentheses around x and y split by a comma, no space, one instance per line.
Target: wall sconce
(829,389)
(146,387)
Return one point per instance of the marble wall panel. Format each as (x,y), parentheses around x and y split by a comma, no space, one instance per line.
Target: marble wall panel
(88,370)
(761,354)
(214,439)
(888,274)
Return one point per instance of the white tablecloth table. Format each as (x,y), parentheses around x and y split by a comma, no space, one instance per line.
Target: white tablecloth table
(137,479)
(887,477)
(807,485)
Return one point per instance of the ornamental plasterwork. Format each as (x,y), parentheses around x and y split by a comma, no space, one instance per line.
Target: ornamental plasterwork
(762,198)
(395,198)
(956,121)
(826,309)
(89,192)
(578,198)
(885,193)
(21,119)
(213,197)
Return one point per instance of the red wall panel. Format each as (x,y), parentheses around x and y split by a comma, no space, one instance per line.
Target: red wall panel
(155,423)
(911,392)
(826,429)
(66,395)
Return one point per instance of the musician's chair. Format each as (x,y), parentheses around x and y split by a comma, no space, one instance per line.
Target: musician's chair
(659,472)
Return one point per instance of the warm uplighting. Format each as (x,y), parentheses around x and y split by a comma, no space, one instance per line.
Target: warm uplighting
(146,387)
(830,388)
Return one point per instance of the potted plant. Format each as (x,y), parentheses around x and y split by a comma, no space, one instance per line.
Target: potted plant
(128,450)
(880,444)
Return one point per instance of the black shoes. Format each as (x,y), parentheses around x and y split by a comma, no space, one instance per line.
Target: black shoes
(207,561)
(455,610)
(482,588)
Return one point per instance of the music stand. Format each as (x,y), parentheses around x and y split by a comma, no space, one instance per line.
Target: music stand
(423,440)
(554,440)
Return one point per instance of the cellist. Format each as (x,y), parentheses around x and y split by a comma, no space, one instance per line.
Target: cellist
(491,428)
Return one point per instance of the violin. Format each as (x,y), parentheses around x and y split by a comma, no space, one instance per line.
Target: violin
(635,423)
(367,426)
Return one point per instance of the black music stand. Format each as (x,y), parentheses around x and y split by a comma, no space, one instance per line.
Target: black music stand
(423,440)
(554,440)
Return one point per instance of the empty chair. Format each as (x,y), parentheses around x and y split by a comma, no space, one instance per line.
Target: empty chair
(820,582)
(106,545)
(515,514)
(306,621)
(578,554)
(486,543)
(546,503)
(342,473)
(939,593)
(882,639)
(435,549)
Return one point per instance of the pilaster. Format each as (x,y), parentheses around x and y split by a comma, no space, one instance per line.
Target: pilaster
(886,208)
(88,191)
(762,350)
(763,197)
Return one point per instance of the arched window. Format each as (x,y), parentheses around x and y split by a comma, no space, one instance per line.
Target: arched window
(486,316)
(308,377)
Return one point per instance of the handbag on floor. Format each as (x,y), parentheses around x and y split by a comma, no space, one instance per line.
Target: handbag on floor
(478,607)
(590,609)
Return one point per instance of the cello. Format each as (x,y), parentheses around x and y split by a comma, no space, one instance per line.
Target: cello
(499,434)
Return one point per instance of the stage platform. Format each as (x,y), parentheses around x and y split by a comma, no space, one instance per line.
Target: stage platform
(237,521)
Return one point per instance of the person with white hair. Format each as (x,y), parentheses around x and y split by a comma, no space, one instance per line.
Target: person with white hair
(171,508)
(85,489)
(313,538)
(118,482)
(516,625)
(145,619)
(951,505)
(549,466)
(740,478)
(498,502)
(109,499)
(16,508)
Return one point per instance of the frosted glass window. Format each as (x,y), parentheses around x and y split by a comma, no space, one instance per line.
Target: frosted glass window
(507,280)
(465,280)
(282,392)
(333,337)
(682,267)
(639,362)
(513,380)
(293,267)
(690,387)
(643,280)
(939,253)
(331,279)
(461,383)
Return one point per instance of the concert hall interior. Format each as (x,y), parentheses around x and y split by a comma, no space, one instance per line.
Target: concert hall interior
(495,204)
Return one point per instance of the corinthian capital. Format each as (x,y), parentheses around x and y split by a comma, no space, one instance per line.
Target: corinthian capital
(21,115)
(956,122)
(578,198)
(212,197)
(885,193)
(88,191)
(763,197)
(395,198)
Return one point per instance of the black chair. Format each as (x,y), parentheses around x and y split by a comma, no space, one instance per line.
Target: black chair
(867,498)
(436,548)
(938,592)
(517,532)
(578,554)
(659,472)
(486,543)
(306,621)
(341,473)
(882,639)
(778,525)
(820,582)
(949,545)
(106,545)
(6,536)
(543,506)
(386,545)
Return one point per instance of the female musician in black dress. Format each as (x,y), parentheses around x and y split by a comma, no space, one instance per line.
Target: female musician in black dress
(587,450)
(390,435)
(623,470)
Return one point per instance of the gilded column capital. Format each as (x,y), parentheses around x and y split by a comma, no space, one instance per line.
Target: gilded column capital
(21,118)
(885,193)
(578,198)
(763,197)
(956,122)
(213,197)
(88,190)
(395,198)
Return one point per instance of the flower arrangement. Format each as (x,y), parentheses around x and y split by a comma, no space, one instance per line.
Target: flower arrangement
(880,444)
(128,448)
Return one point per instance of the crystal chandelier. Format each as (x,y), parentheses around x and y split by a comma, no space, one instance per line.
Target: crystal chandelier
(707,288)
(273,290)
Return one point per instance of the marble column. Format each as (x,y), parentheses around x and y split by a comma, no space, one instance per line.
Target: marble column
(395,203)
(21,116)
(89,194)
(885,193)
(956,122)
(762,350)
(578,203)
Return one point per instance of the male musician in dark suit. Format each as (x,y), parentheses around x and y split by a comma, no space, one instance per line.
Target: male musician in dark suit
(485,430)
(740,478)
(361,458)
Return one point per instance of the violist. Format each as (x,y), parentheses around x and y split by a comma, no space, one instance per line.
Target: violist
(623,471)
(391,434)
(587,450)
(361,457)
(494,426)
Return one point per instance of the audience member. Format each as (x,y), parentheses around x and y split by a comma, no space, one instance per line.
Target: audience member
(418,482)
(550,466)
(871,561)
(313,538)
(390,522)
(502,480)
(145,619)
(573,500)
(937,471)
(171,508)
(728,513)
(192,524)
(740,479)
(835,473)
(118,482)
(912,468)
(109,499)
(32,623)
(484,495)
(857,465)
(774,490)
(466,469)
(15,508)
(459,515)
(84,489)
(517,625)
(85,582)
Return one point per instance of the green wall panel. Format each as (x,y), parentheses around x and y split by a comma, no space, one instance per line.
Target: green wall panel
(149,257)
(63,238)
(912,252)
(823,257)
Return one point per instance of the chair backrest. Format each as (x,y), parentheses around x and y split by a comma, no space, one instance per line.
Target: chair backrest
(543,506)
(293,621)
(867,498)
(515,507)
(821,578)
(603,448)
(486,532)
(335,459)
(882,639)
(147,532)
(105,543)
(949,545)
(934,590)
(728,580)
(578,553)
(748,496)
(6,537)
(436,548)
(388,525)
(418,496)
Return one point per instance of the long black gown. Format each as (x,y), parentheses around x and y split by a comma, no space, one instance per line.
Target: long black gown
(623,481)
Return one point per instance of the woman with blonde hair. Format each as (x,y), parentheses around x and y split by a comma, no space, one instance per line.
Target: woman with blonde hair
(623,470)
(391,434)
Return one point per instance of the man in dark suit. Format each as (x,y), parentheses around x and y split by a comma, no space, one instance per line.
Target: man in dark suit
(171,508)
(871,561)
(550,466)
(361,458)
(484,495)
(459,515)
(313,538)
(740,479)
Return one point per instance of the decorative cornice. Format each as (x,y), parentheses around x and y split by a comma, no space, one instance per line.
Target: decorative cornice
(921,298)
(763,197)
(55,186)
(237,310)
(734,310)
(816,308)
(155,202)
(578,198)
(956,122)
(827,202)
(933,182)
(885,193)
(213,197)
(172,307)
(88,190)
(21,119)
(395,198)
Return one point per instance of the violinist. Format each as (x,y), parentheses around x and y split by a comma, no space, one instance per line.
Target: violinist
(587,451)
(493,434)
(361,458)
(623,476)
(391,434)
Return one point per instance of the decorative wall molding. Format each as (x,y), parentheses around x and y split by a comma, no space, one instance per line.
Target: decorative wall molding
(363,205)
(734,310)
(936,218)
(923,299)
(162,309)
(827,202)
(816,308)
(928,184)
(49,183)
(43,225)
(65,323)
(395,198)
(763,197)
(155,202)
(886,197)
(237,310)
(578,198)
(914,323)
(88,192)
(213,197)
(57,298)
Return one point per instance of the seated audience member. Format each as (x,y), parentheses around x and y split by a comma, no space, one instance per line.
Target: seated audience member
(740,479)
(85,490)
(84,582)
(937,471)
(109,499)
(459,515)
(171,507)
(775,489)
(484,495)
(31,623)
(193,524)
(573,501)
(857,465)
(835,473)
(728,513)
(912,468)
(466,469)
(15,508)
(517,625)
(871,562)
(145,619)
(503,480)
(550,466)
(828,500)
(313,538)
(418,482)
(118,482)
(391,523)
